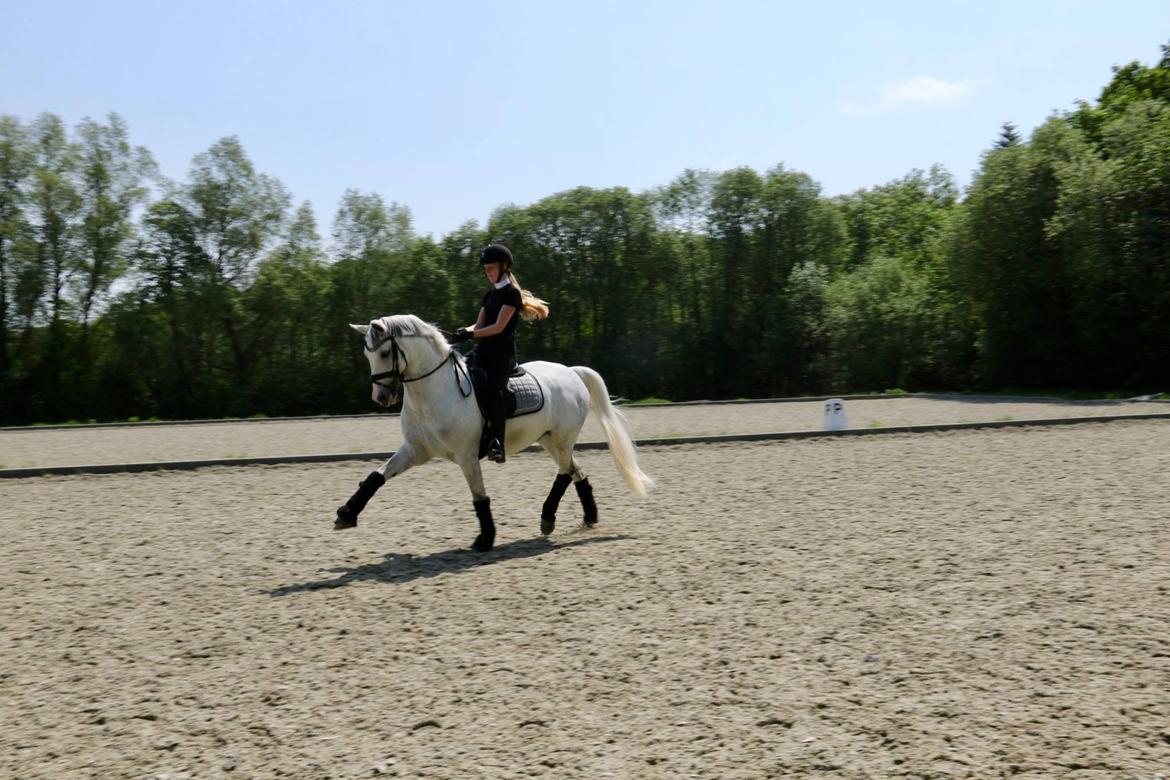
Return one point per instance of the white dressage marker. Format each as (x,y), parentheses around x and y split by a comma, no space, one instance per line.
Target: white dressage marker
(835,419)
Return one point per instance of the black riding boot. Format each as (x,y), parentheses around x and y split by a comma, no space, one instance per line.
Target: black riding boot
(499,428)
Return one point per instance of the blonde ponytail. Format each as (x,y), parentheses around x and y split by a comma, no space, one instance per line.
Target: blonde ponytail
(531,307)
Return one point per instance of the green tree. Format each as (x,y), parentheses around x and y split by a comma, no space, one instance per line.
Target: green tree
(903,218)
(295,370)
(1007,136)
(461,248)
(579,250)
(237,211)
(366,226)
(16,161)
(873,322)
(237,214)
(55,209)
(110,186)
(1113,226)
(53,217)
(1132,83)
(173,274)
(1012,270)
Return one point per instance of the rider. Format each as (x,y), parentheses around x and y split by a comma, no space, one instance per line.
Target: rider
(495,356)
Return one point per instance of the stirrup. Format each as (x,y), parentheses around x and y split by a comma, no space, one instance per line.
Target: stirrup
(496,452)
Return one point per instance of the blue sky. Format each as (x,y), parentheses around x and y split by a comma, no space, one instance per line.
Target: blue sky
(453,108)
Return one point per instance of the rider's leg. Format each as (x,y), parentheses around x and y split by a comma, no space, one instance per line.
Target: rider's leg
(482,382)
(499,427)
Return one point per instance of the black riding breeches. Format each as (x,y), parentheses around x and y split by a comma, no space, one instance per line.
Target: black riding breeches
(490,372)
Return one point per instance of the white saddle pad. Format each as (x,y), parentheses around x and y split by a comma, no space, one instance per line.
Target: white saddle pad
(528,393)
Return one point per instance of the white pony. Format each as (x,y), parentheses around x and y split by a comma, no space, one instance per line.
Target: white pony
(441,419)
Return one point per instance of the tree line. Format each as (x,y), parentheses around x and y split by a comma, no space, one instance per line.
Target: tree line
(123,294)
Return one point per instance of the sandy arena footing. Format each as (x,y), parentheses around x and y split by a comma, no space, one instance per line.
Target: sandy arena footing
(964,604)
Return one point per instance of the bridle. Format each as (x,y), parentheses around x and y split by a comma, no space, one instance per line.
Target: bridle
(397,372)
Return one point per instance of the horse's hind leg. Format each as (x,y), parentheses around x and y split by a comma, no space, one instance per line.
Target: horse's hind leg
(585,493)
(567,471)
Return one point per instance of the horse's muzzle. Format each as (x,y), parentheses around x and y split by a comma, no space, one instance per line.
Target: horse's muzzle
(384,396)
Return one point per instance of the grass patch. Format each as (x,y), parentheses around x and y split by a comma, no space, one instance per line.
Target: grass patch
(896,392)
(874,424)
(651,400)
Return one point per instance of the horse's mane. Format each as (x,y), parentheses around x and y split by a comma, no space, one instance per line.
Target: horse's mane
(410,325)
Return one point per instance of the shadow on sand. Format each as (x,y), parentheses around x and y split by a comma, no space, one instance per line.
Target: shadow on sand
(398,568)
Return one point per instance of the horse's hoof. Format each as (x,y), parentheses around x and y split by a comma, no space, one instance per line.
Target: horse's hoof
(345,519)
(483,543)
(590,523)
(547,526)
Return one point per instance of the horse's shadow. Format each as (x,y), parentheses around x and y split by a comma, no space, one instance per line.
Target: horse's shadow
(396,569)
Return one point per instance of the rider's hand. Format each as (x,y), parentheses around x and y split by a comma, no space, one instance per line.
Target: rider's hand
(461,335)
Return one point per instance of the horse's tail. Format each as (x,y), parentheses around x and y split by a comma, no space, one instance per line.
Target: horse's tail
(621,446)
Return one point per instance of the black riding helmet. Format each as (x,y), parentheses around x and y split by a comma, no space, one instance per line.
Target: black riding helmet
(496,253)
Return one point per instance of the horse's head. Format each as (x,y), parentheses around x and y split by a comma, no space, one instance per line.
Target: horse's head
(383,353)
(397,347)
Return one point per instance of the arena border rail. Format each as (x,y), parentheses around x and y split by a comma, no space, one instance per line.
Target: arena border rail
(727,438)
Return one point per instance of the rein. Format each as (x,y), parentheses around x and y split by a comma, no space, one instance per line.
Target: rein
(396,374)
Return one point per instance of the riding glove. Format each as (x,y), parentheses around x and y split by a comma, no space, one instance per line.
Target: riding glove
(461,335)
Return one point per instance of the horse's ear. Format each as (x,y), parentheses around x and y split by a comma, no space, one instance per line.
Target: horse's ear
(362,329)
(379,326)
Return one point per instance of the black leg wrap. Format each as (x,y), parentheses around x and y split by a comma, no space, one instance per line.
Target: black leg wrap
(560,485)
(487,526)
(548,513)
(347,514)
(585,493)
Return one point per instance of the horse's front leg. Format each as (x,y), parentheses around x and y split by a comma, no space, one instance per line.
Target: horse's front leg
(482,503)
(404,458)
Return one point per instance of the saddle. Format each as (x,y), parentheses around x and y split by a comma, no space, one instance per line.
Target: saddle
(524,395)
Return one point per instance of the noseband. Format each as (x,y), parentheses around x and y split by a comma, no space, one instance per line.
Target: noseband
(395,373)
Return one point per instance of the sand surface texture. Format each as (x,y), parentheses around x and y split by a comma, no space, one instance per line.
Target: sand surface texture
(382,433)
(963,604)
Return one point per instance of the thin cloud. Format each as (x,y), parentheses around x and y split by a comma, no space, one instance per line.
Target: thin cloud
(918,91)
